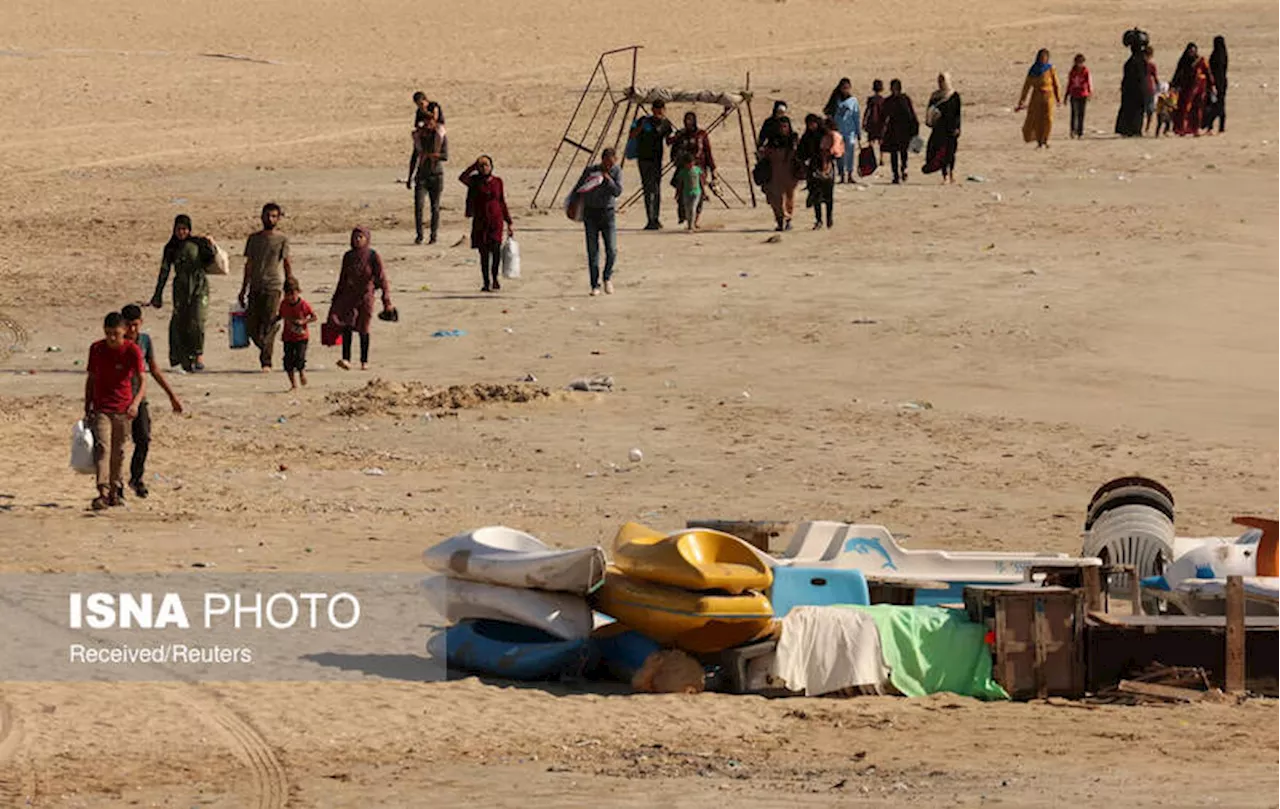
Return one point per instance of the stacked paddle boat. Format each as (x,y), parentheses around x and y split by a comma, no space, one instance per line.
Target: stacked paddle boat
(518,607)
(698,590)
(871,549)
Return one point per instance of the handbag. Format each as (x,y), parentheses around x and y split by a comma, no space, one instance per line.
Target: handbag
(867,163)
(330,334)
(762,173)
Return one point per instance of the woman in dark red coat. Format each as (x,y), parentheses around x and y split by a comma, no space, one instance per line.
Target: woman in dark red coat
(487,207)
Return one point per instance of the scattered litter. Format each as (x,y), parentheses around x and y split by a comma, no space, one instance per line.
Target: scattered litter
(203,564)
(635,455)
(991,246)
(976,178)
(596,384)
(997,196)
(1146,157)
(1030,272)
(528,378)
(52,349)
(746,394)
(424,288)
(449,333)
(922,405)
(774,239)
(864,321)
(281,420)
(1122,178)
(282,468)
(599,322)
(279,476)
(509,330)
(743,275)
(374,471)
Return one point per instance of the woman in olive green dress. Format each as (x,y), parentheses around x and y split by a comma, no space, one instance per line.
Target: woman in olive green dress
(186,256)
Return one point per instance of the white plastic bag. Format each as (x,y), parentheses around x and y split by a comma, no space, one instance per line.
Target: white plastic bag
(82,449)
(510,259)
(221,264)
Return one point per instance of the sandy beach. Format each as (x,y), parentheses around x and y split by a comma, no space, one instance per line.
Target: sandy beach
(1106,307)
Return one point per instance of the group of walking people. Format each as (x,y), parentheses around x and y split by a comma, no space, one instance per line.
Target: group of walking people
(1191,102)
(830,148)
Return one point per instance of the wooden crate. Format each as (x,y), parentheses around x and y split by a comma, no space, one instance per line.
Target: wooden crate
(1037,649)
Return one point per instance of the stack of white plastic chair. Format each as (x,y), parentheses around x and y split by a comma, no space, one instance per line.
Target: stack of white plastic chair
(1130,522)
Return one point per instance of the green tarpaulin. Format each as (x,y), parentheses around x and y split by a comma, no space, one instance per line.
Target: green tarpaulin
(930,650)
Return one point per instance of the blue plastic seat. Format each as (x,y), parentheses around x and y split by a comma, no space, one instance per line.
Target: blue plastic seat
(816,587)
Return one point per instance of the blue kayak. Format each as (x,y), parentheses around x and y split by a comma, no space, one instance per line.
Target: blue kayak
(511,651)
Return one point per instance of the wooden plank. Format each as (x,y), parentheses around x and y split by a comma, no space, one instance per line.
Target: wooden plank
(1167,692)
(1040,629)
(1092,577)
(1235,635)
(1105,618)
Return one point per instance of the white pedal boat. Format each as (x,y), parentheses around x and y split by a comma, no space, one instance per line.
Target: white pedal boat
(563,615)
(874,551)
(511,558)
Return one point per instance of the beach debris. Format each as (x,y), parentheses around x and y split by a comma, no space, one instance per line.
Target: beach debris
(599,383)
(528,378)
(1122,178)
(279,476)
(373,471)
(670,671)
(774,239)
(52,349)
(237,57)
(1160,684)
(997,196)
(914,405)
(863,321)
(424,288)
(743,275)
(746,394)
(975,178)
(449,333)
(509,330)
(635,455)
(381,397)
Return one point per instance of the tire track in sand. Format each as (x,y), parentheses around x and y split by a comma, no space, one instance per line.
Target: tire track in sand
(270,779)
(17,781)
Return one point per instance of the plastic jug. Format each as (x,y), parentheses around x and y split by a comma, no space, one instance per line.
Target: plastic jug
(238,327)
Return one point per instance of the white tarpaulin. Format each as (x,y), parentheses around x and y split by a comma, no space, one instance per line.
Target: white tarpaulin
(648,95)
(827,649)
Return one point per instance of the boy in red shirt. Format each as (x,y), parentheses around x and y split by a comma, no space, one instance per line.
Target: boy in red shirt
(296,314)
(1079,88)
(110,404)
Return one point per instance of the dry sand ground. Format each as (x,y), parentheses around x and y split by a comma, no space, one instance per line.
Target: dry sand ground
(1112,312)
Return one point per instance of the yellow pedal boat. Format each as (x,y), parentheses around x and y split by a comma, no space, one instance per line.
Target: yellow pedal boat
(694,559)
(695,622)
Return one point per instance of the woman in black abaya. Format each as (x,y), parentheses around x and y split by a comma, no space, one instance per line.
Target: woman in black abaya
(1133,93)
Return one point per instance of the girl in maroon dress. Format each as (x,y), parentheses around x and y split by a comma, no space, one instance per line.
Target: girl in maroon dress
(353,299)
(487,208)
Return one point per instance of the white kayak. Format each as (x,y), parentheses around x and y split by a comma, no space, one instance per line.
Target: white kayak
(505,556)
(563,615)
